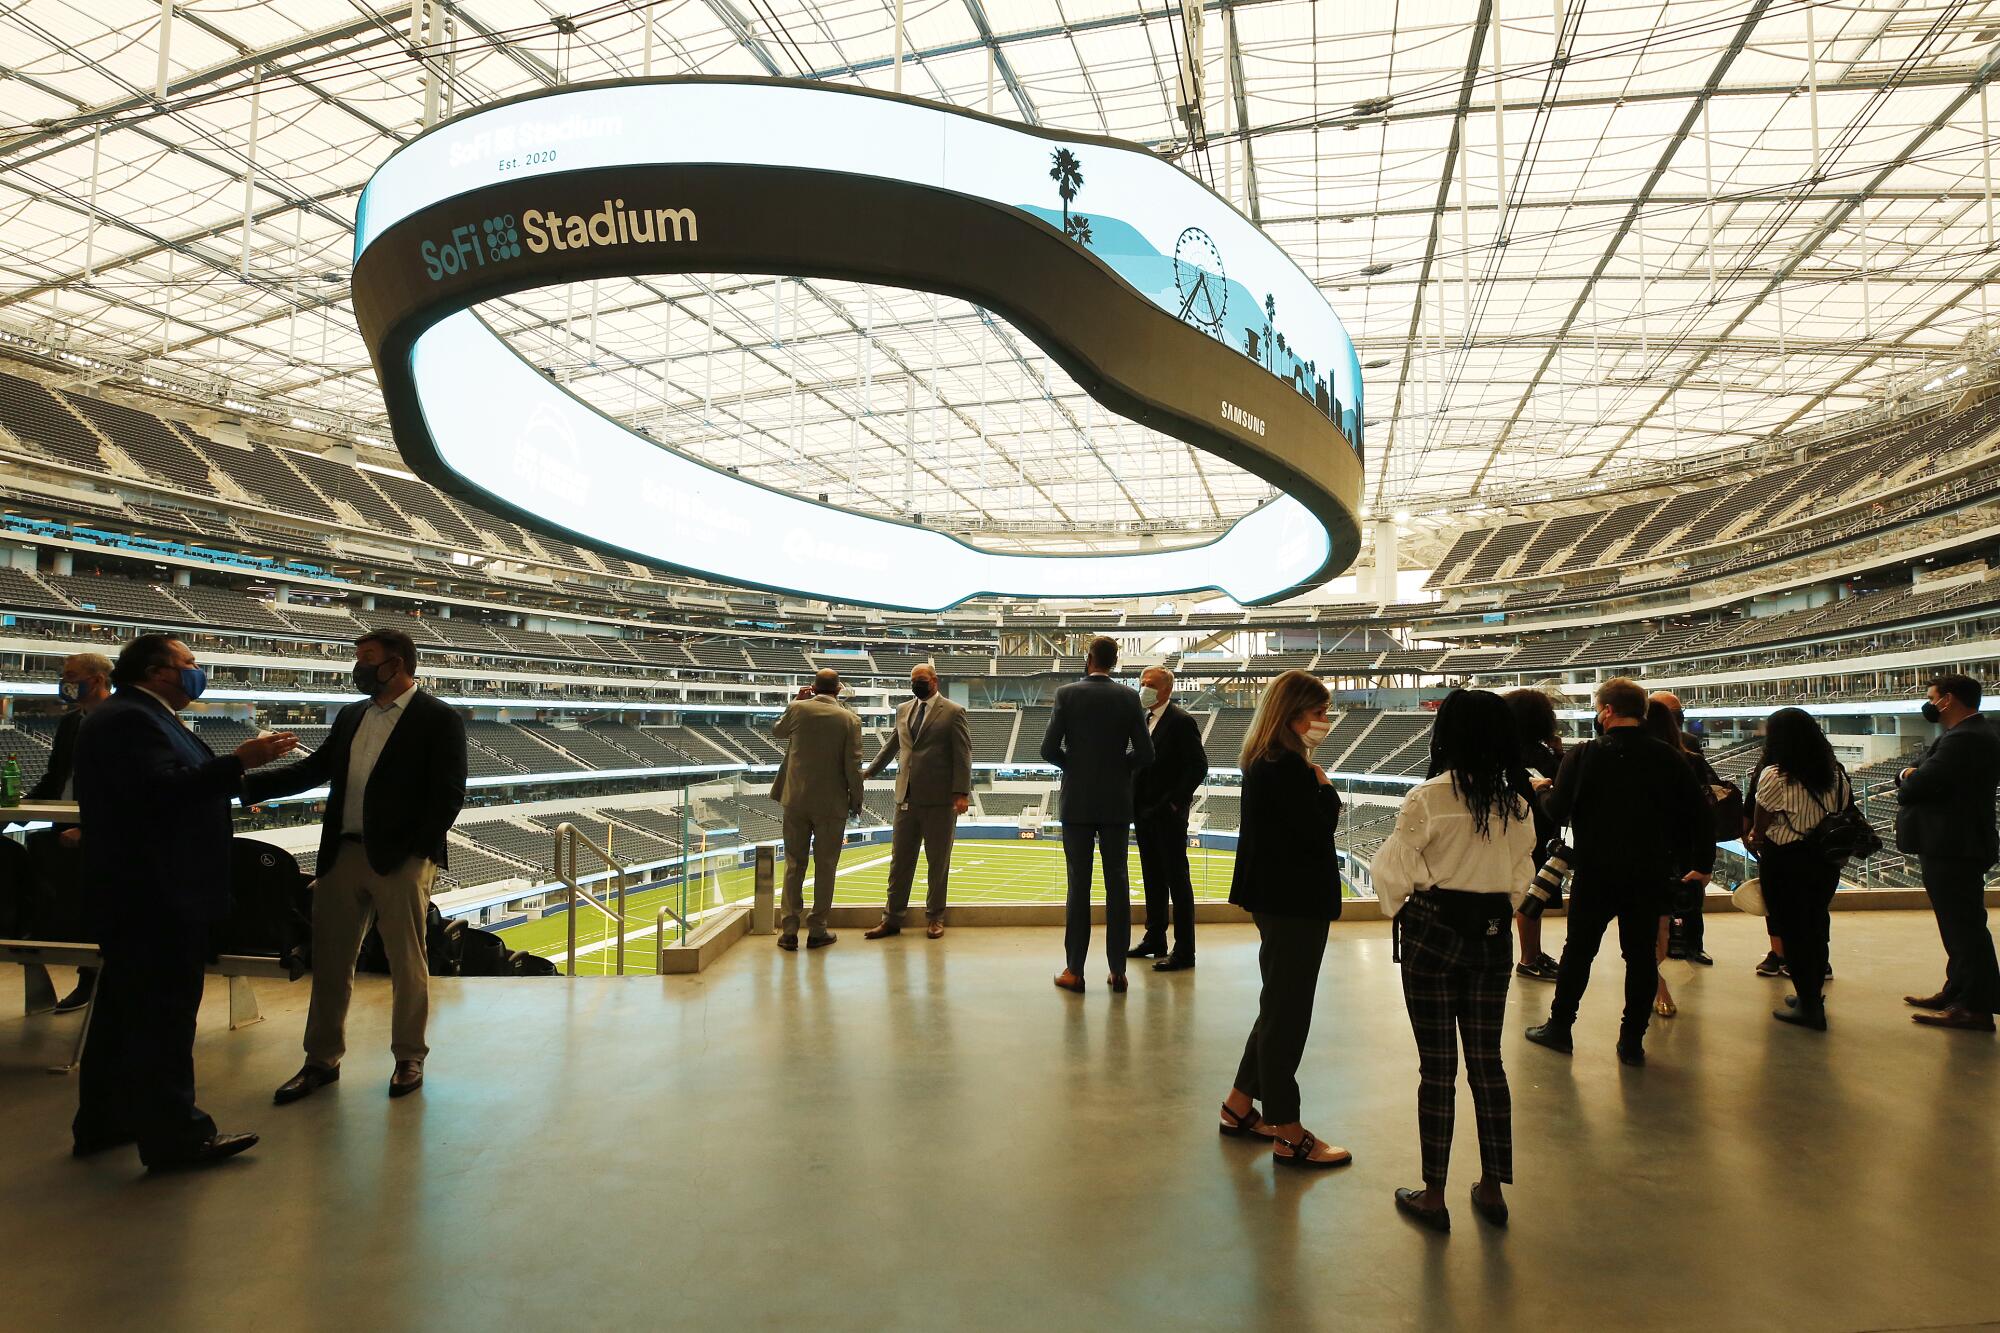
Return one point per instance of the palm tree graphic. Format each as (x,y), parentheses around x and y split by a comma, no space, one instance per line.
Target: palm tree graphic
(1067,173)
(1078,228)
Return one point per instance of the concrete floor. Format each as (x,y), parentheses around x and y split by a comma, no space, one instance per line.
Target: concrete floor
(929,1136)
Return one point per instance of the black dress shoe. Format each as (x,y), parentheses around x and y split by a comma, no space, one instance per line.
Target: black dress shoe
(1814,1018)
(409,1076)
(1701,956)
(1631,1053)
(1553,1036)
(1148,948)
(821,941)
(1174,963)
(215,1148)
(310,1079)
(789,942)
(1437,1219)
(78,998)
(1495,1213)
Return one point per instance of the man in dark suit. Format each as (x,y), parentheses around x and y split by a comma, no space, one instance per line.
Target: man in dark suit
(395,763)
(1945,820)
(1162,793)
(57,852)
(154,800)
(1097,737)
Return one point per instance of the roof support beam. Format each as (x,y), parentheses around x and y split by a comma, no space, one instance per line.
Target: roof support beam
(1000,61)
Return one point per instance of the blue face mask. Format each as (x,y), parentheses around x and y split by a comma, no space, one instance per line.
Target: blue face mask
(70,690)
(194,681)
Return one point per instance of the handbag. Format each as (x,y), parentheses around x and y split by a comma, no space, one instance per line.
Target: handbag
(1749,897)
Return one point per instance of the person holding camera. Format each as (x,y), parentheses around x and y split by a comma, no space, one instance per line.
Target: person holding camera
(1637,813)
(1451,876)
(1540,741)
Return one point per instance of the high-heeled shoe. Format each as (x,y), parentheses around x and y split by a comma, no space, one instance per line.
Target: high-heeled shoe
(1665,1008)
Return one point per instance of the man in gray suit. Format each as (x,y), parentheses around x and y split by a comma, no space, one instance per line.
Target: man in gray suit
(933,786)
(819,784)
(1097,737)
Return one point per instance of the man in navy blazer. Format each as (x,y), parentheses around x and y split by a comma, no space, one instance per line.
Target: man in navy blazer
(154,800)
(1097,737)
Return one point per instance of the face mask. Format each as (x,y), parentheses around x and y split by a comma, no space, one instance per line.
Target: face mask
(1931,713)
(194,682)
(70,690)
(366,678)
(1316,732)
(1597,726)
(923,689)
(1149,698)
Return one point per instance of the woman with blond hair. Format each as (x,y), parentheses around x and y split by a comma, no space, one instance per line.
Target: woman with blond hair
(1287,877)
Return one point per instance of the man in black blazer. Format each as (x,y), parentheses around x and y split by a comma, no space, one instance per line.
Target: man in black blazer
(1162,793)
(395,763)
(57,852)
(154,801)
(1945,820)
(1097,737)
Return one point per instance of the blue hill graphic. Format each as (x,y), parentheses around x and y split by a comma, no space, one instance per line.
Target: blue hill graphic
(1135,259)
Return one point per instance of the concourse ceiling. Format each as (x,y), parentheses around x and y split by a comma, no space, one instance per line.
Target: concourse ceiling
(1571,238)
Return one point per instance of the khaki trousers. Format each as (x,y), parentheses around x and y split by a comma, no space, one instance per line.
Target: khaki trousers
(346,896)
(818,838)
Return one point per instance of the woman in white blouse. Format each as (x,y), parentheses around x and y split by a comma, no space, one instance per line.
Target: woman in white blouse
(1797,783)
(1452,875)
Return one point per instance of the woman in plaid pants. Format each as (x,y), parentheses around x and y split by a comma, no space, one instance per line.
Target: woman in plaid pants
(1452,875)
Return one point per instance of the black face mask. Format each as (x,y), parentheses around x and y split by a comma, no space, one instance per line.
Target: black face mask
(1931,713)
(923,689)
(368,679)
(1597,726)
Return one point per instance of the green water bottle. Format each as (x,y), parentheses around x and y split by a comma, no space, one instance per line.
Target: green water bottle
(10,782)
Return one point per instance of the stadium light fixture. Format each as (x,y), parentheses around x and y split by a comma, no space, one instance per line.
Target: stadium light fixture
(1164,303)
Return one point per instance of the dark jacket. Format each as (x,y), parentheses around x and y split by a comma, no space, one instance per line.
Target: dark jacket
(1636,810)
(1285,858)
(155,800)
(1164,789)
(1097,737)
(414,791)
(1946,804)
(50,785)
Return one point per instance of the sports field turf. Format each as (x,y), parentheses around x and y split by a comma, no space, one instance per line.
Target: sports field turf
(982,871)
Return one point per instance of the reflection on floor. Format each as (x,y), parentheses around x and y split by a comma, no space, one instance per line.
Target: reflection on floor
(927,1136)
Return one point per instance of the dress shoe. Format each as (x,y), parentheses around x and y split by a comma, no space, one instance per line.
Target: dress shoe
(1174,962)
(409,1076)
(310,1079)
(1437,1219)
(1069,980)
(1701,956)
(1956,1016)
(1553,1035)
(1117,983)
(1771,966)
(213,1149)
(1148,948)
(881,930)
(1814,1018)
(789,941)
(78,998)
(1631,1053)
(1938,1001)
(821,941)
(1495,1213)
(934,929)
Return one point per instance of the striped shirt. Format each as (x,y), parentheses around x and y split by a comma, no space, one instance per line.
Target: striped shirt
(1795,811)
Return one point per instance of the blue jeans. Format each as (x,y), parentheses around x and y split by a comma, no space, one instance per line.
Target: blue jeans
(1110,840)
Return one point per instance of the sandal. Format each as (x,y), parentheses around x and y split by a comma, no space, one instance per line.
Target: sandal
(1247,1125)
(1665,1008)
(1301,1154)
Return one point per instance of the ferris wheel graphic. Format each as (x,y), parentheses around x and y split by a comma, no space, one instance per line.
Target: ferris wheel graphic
(1199,279)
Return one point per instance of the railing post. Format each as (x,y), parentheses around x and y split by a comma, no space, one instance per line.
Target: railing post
(568,878)
(762,908)
(619,926)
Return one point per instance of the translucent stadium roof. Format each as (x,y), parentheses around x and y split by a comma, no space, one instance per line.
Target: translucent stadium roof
(1566,235)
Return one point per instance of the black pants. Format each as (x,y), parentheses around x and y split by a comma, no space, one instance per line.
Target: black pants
(137,1079)
(1693,932)
(1163,861)
(1288,959)
(1798,900)
(1593,906)
(1077,840)
(1957,889)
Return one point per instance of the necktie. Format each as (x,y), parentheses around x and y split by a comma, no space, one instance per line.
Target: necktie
(917,722)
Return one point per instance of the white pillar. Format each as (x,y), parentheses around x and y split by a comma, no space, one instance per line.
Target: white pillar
(1381,584)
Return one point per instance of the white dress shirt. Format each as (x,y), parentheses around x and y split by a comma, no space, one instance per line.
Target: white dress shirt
(369,737)
(1436,845)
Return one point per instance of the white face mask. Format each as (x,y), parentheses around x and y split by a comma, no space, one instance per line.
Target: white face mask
(1316,732)
(1149,698)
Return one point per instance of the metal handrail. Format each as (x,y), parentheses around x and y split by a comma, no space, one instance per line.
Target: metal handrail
(567,836)
(660,935)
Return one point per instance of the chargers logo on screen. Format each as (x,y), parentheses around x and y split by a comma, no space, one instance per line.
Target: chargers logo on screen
(546,458)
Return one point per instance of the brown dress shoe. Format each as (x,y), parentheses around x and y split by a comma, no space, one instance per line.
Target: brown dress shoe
(1069,980)
(409,1076)
(1117,982)
(1938,1001)
(934,929)
(1956,1016)
(881,930)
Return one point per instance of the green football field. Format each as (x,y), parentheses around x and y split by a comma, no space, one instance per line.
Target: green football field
(982,871)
